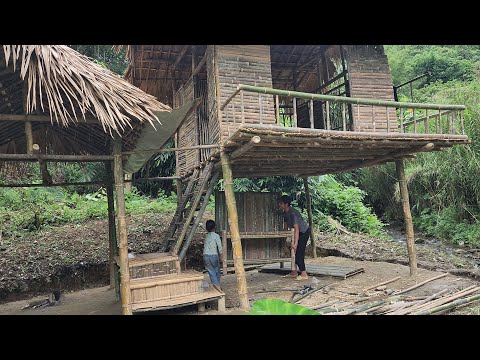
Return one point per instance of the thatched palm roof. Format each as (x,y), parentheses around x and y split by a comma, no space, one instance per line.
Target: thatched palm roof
(57,81)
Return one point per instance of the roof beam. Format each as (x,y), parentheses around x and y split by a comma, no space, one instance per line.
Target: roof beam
(41,118)
(180,57)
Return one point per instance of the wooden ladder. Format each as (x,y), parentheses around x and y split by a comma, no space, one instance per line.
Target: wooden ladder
(187,218)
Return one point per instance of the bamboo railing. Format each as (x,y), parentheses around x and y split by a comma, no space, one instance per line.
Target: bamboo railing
(342,113)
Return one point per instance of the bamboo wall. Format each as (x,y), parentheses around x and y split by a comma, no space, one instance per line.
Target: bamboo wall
(213,124)
(370,78)
(257,213)
(187,132)
(249,65)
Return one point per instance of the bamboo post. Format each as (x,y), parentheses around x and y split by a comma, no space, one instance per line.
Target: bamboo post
(112,234)
(242,106)
(327,109)
(310,108)
(426,121)
(412,257)
(277,109)
(310,216)
(29,137)
(344,119)
(293,266)
(122,228)
(388,119)
(224,252)
(461,122)
(234,231)
(128,182)
(295,121)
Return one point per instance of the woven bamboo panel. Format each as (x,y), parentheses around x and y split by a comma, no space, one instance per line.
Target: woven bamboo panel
(370,78)
(256,249)
(213,124)
(249,65)
(257,212)
(154,264)
(188,131)
(145,290)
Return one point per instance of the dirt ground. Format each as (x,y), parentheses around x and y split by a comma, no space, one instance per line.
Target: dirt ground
(101,301)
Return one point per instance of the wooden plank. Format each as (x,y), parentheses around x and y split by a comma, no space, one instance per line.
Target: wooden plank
(326,270)
(151,258)
(210,295)
(189,275)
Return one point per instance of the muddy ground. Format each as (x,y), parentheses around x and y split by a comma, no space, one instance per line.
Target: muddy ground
(73,258)
(101,301)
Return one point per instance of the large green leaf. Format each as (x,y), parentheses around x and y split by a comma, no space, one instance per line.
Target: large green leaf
(279,307)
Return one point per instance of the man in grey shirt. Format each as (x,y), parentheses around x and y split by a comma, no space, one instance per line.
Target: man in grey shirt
(302,232)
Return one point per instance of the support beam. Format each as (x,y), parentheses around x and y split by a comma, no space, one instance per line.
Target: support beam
(41,118)
(310,216)
(412,257)
(84,183)
(55,158)
(196,147)
(122,228)
(29,137)
(159,178)
(200,65)
(112,233)
(245,148)
(234,231)
(180,57)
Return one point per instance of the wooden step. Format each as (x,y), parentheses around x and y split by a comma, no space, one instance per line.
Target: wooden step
(166,287)
(153,264)
(188,275)
(209,295)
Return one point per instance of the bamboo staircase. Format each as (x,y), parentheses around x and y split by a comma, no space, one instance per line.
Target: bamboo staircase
(157,282)
(189,214)
(156,279)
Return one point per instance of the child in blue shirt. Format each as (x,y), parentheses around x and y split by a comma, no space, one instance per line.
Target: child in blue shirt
(212,249)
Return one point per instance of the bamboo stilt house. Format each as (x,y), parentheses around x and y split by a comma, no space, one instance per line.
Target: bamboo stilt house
(57,105)
(266,110)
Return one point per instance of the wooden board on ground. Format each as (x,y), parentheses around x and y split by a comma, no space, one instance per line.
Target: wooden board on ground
(326,270)
(209,295)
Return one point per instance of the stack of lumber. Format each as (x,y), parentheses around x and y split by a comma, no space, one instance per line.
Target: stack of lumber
(400,304)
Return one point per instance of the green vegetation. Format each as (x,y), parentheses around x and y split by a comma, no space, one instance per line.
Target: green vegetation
(279,307)
(29,209)
(444,186)
(344,203)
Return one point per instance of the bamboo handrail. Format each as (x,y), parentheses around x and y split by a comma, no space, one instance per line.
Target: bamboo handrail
(342,99)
